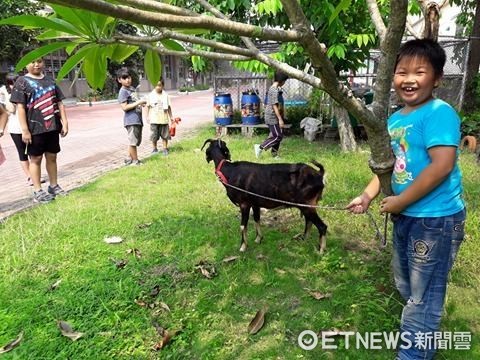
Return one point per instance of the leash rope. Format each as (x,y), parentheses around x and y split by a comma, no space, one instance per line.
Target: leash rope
(380,236)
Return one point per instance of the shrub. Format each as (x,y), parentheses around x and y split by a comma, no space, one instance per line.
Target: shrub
(471,124)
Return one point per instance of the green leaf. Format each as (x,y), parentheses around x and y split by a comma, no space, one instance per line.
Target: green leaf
(39,53)
(365,39)
(153,66)
(73,61)
(172,45)
(121,52)
(359,40)
(95,66)
(35,21)
(344,5)
(53,34)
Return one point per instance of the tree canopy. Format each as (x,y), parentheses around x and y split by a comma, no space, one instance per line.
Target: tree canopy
(323,35)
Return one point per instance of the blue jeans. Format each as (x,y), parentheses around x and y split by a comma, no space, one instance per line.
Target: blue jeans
(424,250)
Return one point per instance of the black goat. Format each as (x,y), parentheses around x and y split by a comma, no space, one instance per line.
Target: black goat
(292,183)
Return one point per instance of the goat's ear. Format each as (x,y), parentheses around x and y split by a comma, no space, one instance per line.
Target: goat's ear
(205,143)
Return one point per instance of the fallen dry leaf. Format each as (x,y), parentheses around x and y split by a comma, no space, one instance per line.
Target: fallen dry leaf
(164,306)
(257,322)
(166,337)
(135,252)
(207,270)
(12,344)
(155,291)
(113,240)
(317,295)
(67,331)
(261,257)
(144,226)
(140,302)
(120,264)
(280,271)
(55,285)
(230,259)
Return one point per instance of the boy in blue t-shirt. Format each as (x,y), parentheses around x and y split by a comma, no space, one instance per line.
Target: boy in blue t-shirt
(132,118)
(427,207)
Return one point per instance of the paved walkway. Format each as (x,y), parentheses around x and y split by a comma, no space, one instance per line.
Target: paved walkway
(96,143)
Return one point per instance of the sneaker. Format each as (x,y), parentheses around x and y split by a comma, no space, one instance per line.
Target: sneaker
(165,152)
(257,150)
(136,163)
(127,161)
(42,197)
(56,190)
(154,151)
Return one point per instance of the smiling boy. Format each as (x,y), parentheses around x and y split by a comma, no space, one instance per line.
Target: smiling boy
(427,207)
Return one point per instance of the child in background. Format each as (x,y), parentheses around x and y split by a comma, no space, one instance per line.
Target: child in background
(43,119)
(14,127)
(132,118)
(274,116)
(427,207)
(159,116)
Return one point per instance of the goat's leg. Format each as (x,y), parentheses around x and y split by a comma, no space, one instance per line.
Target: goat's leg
(245,211)
(258,230)
(312,216)
(306,231)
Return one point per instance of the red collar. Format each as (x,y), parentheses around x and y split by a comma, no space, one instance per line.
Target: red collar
(219,173)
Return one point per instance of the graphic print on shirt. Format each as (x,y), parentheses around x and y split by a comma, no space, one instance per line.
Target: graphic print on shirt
(43,99)
(400,147)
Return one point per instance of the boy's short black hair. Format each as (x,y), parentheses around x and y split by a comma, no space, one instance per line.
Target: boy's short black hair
(424,48)
(280,76)
(123,72)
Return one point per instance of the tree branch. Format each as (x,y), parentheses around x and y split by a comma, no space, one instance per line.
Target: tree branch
(376,18)
(411,30)
(168,34)
(159,6)
(188,22)
(189,51)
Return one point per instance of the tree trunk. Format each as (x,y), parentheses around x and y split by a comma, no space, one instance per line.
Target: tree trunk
(473,63)
(347,137)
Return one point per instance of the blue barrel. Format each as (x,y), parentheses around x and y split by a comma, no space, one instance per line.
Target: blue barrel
(223,109)
(250,108)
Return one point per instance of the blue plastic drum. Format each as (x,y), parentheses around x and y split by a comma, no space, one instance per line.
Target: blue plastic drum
(223,109)
(250,108)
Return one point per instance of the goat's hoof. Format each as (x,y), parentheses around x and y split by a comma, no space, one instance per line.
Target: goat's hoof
(243,248)
(258,240)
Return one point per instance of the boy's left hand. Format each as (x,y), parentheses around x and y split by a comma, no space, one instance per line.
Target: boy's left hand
(391,204)
(64,131)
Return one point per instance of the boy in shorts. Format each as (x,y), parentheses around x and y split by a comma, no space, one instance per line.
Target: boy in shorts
(43,120)
(159,116)
(132,118)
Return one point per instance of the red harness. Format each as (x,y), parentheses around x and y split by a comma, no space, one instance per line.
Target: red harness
(219,173)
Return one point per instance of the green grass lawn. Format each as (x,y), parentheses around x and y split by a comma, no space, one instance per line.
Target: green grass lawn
(176,213)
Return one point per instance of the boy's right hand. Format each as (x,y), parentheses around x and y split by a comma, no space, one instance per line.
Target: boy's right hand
(141,102)
(26,137)
(359,205)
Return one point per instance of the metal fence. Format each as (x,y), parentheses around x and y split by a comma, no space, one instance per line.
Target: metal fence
(294,91)
(452,87)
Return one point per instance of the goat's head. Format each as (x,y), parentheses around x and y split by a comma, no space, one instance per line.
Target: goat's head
(216,144)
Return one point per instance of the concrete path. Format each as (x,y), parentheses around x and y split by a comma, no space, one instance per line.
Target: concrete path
(96,143)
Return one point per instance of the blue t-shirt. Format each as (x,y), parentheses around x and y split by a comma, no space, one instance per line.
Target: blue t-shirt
(133,116)
(434,124)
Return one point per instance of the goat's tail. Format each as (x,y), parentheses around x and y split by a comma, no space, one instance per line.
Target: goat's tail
(321,169)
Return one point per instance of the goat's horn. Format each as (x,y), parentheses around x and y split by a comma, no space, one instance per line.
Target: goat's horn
(205,143)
